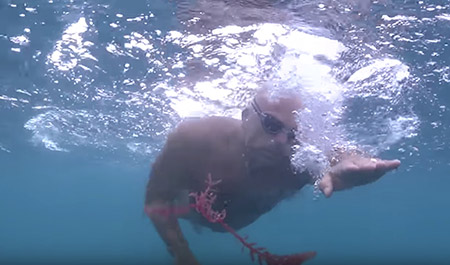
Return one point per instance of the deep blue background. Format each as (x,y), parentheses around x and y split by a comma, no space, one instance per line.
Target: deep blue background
(86,206)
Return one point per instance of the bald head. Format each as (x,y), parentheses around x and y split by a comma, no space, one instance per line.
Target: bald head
(281,105)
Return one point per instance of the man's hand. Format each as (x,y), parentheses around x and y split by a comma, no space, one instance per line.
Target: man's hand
(355,171)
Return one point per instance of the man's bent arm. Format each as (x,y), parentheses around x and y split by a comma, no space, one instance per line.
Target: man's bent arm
(164,187)
(161,213)
(170,232)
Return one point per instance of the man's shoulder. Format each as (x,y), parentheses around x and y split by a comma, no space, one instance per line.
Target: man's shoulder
(208,132)
(208,124)
(197,128)
(209,120)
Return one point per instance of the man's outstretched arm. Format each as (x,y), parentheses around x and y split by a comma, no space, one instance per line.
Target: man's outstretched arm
(354,170)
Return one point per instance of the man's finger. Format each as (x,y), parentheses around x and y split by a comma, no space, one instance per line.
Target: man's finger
(388,164)
(326,185)
(393,164)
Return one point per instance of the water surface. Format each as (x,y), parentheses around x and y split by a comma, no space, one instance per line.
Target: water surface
(90,89)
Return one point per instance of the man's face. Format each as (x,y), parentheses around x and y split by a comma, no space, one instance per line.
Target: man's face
(269,127)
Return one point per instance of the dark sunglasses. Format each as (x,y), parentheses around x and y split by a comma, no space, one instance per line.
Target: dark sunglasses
(271,124)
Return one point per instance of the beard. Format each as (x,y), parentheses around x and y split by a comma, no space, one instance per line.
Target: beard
(268,161)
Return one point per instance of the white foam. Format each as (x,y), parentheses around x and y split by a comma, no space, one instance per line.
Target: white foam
(312,45)
(231,30)
(71,48)
(247,62)
(444,16)
(311,159)
(52,146)
(6,98)
(398,18)
(4,149)
(402,70)
(21,40)
(138,41)
(400,127)
(54,127)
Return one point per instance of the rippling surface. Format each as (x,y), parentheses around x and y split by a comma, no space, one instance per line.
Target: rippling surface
(108,80)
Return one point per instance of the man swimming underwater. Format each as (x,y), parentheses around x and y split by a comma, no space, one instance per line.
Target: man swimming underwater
(251,157)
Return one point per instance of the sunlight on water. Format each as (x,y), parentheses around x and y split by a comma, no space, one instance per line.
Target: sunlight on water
(71,48)
(87,85)
(4,149)
(245,58)
(216,72)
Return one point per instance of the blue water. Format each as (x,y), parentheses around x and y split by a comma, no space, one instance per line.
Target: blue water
(85,110)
